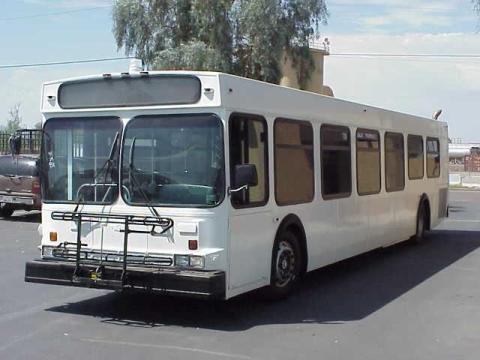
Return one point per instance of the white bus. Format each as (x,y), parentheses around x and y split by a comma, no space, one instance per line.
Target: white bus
(211,185)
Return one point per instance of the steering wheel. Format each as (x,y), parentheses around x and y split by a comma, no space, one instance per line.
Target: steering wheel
(128,196)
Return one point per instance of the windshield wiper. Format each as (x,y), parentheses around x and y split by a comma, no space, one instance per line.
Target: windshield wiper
(108,164)
(106,167)
(134,181)
(135,185)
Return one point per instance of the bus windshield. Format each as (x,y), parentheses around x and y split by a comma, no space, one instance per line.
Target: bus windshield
(74,158)
(174,160)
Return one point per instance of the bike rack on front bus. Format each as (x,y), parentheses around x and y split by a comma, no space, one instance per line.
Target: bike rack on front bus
(126,220)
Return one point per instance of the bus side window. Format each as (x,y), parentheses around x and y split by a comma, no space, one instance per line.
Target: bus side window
(415,157)
(248,145)
(368,162)
(336,160)
(433,157)
(394,162)
(294,174)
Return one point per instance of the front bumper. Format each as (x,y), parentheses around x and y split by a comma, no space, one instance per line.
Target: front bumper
(193,283)
(21,201)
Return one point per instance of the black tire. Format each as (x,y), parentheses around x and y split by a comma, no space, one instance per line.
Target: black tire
(286,265)
(421,226)
(6,210)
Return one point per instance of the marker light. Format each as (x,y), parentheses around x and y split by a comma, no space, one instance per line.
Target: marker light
(53,236)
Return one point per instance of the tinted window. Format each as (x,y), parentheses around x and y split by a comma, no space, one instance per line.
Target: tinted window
(294,176)
(130,91)
(368,162)
(75,154)
(248,145)
(394,162)
(415,157)
(336,161)
(433,157)
(176,160)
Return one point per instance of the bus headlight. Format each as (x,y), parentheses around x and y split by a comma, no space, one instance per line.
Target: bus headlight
(47,251)
(181,260)
(197,262)
(190,261)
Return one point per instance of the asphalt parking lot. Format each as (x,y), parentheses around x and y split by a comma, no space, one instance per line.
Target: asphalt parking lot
(404,302)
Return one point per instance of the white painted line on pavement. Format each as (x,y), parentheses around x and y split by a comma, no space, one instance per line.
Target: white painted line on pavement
(168,347)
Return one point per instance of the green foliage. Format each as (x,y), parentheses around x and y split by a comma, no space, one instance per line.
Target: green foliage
(212,25)
(244,37)
(260,39)
(191,56)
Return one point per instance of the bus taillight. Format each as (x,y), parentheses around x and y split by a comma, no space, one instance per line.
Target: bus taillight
(35,187)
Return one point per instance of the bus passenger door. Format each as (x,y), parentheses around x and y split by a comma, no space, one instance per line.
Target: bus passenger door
(249,230)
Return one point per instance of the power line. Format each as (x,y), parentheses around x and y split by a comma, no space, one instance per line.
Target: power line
(54,13)
(366,7)
(14,66)
(393,55)
(346,55)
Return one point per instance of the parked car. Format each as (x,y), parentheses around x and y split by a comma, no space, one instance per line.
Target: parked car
(19,184)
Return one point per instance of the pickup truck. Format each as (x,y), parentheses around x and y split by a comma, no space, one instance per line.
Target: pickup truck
(19,184)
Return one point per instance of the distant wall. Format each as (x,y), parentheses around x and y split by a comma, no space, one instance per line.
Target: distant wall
(315,84)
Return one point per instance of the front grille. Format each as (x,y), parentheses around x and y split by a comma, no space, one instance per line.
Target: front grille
(96,256)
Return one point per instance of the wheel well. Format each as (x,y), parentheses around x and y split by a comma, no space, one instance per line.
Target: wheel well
(292,223)
(424,201)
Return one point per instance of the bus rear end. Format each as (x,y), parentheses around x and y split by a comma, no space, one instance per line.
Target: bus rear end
(133,183)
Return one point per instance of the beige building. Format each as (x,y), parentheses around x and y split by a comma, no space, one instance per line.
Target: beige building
(315,84)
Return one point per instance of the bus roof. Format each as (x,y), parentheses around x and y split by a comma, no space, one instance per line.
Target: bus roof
(232,92)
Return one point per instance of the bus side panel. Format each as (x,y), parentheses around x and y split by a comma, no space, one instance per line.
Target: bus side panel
(251,236)
(323,237)
(380,220)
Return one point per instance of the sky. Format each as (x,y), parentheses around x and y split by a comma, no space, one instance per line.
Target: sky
(35,31)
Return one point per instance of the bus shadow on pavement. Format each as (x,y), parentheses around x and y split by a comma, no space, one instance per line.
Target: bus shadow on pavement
(347,291)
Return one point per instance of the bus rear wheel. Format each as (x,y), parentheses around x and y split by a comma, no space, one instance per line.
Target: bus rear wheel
(286,265)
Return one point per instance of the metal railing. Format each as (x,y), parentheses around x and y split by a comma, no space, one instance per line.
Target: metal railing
(31,141)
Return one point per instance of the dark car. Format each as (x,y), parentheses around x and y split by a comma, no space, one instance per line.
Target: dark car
(19,184)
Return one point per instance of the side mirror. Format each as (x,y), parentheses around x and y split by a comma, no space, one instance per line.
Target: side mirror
(245,175)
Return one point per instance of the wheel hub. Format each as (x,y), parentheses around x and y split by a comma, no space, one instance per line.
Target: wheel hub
(285,264)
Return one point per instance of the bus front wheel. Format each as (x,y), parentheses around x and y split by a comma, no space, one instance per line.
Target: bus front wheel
(286,265)
(422,221)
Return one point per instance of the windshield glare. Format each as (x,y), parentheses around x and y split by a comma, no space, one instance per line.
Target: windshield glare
(75,152)
(176,160)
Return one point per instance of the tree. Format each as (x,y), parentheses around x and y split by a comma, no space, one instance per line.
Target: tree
(243,37)
(14,120)
(476,6)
